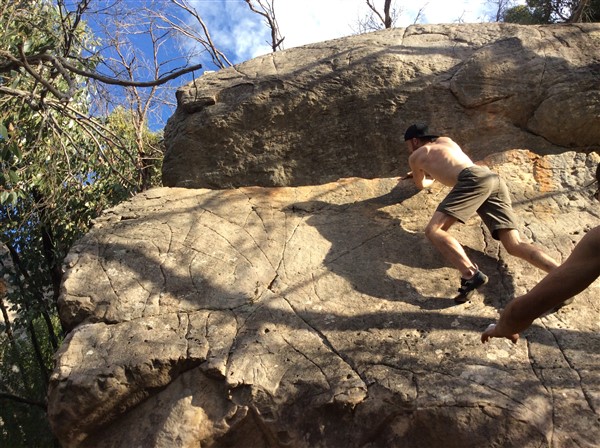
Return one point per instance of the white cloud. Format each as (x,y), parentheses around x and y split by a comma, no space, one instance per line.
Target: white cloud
(234,29)
(451,11)
(308,21)
(242,34)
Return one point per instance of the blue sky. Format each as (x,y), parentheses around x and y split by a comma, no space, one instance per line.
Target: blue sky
(242,35)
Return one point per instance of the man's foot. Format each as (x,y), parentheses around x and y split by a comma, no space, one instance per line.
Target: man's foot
(468,286)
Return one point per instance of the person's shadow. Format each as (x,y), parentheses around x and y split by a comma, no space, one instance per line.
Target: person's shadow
(371,249)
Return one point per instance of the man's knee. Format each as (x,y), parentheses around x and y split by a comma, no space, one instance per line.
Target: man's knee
(511,241)
(438,226)
(521,249)
(514,249)
(432,233)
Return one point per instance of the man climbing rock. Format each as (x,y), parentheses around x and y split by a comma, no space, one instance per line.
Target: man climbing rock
(475,189)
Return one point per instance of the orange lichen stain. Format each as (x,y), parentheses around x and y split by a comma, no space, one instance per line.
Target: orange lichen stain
(517,157)
(264,192)
(540,167)
(543,174)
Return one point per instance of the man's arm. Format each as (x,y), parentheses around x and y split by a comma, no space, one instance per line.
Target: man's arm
(573,276)
(418,174)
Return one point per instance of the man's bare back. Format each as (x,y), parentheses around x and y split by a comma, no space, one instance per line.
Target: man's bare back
(441,159)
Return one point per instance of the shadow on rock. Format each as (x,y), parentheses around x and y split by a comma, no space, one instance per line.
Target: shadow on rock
(371,249)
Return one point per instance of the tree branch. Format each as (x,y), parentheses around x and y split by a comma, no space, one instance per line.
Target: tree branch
(124,82)
(218,58)
(7,396)
(268,12)
(63,67)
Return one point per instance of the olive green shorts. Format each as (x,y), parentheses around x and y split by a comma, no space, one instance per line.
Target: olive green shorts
(480,191)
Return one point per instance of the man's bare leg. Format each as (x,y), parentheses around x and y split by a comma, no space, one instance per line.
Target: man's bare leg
(437,232)
(511,240)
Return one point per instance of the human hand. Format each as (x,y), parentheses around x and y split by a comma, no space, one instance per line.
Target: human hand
(492,332)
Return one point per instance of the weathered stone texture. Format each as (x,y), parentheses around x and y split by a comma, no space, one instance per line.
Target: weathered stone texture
(337,109)
(319,316)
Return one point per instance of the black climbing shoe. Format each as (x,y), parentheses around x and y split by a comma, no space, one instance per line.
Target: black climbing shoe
(467,287)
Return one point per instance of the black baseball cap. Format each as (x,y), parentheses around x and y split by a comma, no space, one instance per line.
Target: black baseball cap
(418,130)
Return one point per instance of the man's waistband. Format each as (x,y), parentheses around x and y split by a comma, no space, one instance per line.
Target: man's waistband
(474,170)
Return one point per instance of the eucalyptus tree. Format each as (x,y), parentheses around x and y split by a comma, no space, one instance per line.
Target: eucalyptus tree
(554,11)
(63,159)
(80,82)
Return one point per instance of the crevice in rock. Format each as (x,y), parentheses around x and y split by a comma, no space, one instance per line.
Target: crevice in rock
(258,246)
(264,429)
(274,61)
(371,437)
(301,353)
(281,264)
(535,371)
(588,399)
(108,277)
(358,246)
(272,282)
(505,280)
(326,342)
(170,245)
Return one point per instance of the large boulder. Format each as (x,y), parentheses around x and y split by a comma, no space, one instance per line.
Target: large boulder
(319,316)
(337,109)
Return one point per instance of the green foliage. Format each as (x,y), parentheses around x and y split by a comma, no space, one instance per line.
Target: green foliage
(59,168)
(592,12)
(141,141)
(520,14)
(23,424)
(554,11)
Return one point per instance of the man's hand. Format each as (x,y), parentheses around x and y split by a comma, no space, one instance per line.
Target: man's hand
(492,332)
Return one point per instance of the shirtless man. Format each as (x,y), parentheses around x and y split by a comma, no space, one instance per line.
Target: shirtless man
(475,189)
(570,278)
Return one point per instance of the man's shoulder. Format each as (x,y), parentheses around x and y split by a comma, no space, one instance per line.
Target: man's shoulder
(419,154)
(445,143)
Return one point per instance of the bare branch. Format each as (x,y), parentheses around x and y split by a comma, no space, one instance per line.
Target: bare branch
(123,82)
(579,11)
(65,68)
(420,14)
(386,18)
(267,10)
(69,26)
(499,8)
(218,58)
(39,78)
(376,19)
(7,396)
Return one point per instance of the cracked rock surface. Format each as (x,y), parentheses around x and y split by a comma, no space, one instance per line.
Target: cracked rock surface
(337,109)
(319,316)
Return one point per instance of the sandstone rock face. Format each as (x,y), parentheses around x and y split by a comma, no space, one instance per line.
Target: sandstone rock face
(319,316)
(337,109)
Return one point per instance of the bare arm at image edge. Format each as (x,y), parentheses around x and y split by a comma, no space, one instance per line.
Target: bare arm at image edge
(569,279)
